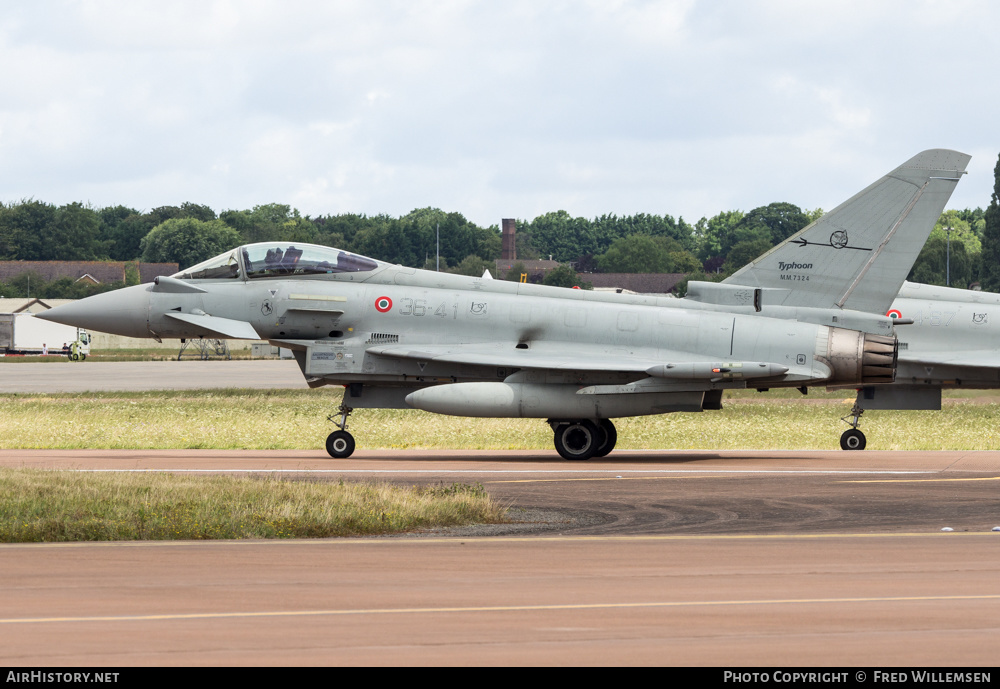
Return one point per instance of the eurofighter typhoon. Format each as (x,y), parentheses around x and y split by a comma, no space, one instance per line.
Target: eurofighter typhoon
(398,337)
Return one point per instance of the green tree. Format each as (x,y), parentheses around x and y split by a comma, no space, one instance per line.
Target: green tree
(387,241)
(563,237)
(975,218)
(36,231)
(73,234)
(474,266)
(121,229)
(710,234)
(23,230)
(188,241)
(609,228)
(340,230)
(962,231)
(775,222)
(990,275)
(458,237)
(639,253)
(931,266)
(814,215)
(197,211)
(161,214)
(564,276)
(743,252)
(684,262)
(272,222)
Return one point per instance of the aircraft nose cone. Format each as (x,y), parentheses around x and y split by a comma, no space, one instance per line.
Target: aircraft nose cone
(121,312)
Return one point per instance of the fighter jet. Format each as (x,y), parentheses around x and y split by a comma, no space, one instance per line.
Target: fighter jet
(398,337)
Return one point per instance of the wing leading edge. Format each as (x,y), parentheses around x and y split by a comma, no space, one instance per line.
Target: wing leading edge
(682,366)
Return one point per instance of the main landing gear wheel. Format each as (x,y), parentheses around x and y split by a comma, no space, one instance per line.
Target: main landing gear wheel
(340,444)
(852,439)
(577,440)
(610,438)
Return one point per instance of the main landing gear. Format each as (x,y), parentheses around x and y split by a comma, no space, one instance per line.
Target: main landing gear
(340,444)
(853,438)
(579,439)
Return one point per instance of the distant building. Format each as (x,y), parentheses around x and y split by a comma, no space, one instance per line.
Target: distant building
(536,269)
(94,272)
(640,283)
(508,251)
(30,305)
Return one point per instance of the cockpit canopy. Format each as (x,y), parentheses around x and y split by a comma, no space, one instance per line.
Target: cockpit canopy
(271,259)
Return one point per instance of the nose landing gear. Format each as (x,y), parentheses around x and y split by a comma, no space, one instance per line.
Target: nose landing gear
(340,444)
(853,438)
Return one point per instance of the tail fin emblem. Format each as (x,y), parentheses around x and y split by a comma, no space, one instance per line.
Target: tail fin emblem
(838,240)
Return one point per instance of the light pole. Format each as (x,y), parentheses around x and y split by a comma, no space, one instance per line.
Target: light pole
(947,264)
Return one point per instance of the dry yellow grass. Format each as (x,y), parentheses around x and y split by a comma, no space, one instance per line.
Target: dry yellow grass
(38,505)
(297,420)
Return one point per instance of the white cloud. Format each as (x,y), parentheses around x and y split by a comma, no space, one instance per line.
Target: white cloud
(687,108)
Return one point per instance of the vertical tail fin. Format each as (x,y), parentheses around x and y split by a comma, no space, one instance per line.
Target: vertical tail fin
(857,255)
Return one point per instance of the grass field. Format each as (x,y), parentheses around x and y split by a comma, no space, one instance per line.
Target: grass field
(296,419)
(52,506)
(40,505)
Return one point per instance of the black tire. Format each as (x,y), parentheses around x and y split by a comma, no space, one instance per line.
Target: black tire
(576,440)
(852,439)
(607,443)
(340,444)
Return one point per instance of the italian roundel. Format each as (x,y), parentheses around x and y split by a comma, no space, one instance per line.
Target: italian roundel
(894,313)
(383,304)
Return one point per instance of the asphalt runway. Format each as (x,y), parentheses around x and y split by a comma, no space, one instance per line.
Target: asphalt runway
(645,558)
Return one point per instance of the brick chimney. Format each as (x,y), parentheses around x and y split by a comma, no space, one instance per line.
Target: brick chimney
(508,252)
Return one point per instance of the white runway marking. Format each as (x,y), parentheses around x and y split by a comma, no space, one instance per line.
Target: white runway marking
(818,472)
(494,608)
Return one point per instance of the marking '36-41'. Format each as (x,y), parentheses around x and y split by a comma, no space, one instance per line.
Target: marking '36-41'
(416,307)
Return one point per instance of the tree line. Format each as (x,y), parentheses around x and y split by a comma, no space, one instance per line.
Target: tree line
(963,247)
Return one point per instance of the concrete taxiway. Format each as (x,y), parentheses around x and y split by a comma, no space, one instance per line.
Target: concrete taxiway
(63,375)
(687,558)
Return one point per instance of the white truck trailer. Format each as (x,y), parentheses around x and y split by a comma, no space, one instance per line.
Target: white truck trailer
(22,333)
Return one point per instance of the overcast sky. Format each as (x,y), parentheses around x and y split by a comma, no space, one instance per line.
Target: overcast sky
(491,109)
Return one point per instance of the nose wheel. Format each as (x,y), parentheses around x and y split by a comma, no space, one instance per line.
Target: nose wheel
(340,444)
(853,438)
